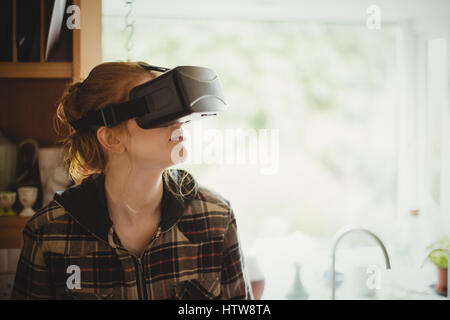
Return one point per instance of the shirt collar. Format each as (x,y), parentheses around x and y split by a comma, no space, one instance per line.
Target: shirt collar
(86,202)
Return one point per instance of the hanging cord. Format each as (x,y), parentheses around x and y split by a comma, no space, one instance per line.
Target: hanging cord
(129,28)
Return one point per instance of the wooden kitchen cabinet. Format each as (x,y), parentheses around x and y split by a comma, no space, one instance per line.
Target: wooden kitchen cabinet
(30,90)
(11,228)
(86,45)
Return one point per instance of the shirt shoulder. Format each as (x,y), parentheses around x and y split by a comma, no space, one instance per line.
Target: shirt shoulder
(208,215)
(213,198)
(49,219)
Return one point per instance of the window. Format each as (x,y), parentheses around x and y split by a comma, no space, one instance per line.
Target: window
(333,105)
(328,89)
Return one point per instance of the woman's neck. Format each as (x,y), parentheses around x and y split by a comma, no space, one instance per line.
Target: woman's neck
(133,195)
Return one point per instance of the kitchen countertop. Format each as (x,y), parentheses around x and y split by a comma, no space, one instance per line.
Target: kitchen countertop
(405,280)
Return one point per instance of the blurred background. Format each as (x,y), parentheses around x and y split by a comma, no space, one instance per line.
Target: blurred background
(358,91)
(338,127)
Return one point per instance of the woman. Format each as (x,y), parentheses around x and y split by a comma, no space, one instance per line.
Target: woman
(133,229)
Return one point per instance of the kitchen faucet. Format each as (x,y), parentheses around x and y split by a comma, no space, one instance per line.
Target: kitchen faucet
(338,238)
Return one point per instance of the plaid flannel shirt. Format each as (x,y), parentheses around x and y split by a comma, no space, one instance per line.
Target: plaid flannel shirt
(194,254)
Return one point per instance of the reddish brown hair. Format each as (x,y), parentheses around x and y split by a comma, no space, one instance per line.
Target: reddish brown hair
(107,83)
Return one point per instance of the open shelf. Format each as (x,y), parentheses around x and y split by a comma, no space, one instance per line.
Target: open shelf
(31,89)
(55,70)
(33,61)
(68,55)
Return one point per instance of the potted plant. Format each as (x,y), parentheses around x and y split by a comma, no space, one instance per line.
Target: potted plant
(439,251)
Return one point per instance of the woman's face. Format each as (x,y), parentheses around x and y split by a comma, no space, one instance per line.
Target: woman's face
(161,147)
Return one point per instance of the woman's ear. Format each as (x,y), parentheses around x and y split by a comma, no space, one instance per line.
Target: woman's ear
(109,140)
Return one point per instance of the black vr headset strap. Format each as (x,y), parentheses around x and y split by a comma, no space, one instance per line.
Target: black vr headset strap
(113,114)
(147,66)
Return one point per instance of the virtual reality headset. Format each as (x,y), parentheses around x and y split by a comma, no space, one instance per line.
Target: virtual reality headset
(178,95)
